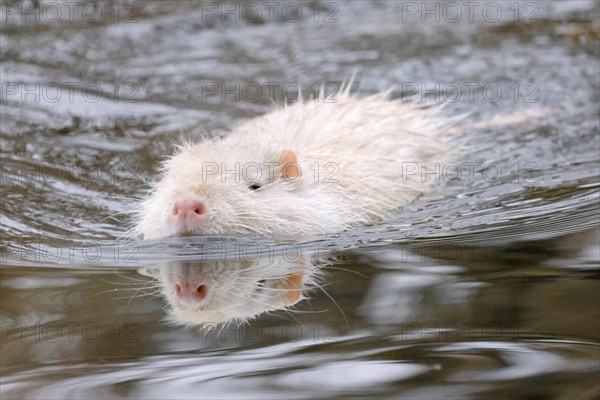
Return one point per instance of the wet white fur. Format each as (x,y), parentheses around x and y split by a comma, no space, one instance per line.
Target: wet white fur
(368,140)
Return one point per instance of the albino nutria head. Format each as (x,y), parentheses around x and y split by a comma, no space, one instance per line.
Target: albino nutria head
(216,292)
(219,187)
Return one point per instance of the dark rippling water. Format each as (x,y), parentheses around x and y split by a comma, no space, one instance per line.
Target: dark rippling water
(487,287)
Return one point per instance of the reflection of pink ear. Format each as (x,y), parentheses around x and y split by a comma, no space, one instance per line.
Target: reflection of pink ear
(293,287)
(289,161)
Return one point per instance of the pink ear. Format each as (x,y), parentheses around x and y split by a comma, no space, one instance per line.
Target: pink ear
(293,287)
(289,161)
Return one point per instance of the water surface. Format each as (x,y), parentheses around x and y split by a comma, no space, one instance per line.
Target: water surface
(486,287)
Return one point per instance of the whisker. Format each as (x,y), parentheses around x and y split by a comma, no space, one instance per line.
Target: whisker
(336,304)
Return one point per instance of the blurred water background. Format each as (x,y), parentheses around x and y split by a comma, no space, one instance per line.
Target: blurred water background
(485,288)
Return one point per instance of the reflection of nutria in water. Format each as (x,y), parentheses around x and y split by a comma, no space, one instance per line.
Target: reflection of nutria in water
(312,167)
(206,293)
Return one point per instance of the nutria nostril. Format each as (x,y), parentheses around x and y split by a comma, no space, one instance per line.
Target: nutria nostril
(201,291)
(188,208)
(191,293)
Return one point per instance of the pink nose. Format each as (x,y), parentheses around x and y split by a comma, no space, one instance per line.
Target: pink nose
(191,293)
(188,209)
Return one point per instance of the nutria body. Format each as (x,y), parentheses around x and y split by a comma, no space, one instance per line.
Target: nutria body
(312,167)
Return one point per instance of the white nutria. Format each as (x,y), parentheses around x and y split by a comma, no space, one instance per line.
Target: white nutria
(312,167)
(212,293)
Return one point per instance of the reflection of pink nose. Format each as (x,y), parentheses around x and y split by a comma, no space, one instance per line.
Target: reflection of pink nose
(191,293)
(188,209)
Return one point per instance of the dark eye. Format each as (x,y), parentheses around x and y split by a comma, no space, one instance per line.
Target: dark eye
(254,187)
